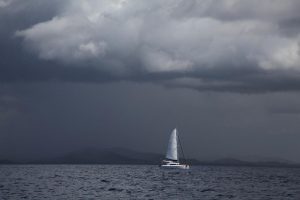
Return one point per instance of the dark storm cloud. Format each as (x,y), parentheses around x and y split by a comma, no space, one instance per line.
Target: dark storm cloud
(54,118)
(238,46)
(8,107)
(285,110)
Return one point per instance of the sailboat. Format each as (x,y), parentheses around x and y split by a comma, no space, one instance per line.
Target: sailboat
(171,161)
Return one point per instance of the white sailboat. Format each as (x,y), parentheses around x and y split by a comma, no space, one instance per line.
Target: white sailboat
(171,161)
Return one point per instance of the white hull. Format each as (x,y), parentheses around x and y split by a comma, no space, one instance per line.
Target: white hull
(175,166)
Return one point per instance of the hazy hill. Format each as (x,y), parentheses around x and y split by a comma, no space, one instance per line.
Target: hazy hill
(127,156)
(106,156)
(7,162)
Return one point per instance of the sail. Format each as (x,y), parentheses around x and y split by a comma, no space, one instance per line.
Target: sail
(172,147)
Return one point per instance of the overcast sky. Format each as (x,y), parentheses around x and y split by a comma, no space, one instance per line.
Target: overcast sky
(124,73)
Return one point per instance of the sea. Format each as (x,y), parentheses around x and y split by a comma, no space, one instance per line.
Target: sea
(147,182)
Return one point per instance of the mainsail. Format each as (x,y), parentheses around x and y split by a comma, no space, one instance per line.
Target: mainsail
(172,147)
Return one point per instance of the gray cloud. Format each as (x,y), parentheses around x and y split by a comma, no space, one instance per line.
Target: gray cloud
(127,38)
(230,45)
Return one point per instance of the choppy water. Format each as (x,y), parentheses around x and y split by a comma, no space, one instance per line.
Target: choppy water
(147,182)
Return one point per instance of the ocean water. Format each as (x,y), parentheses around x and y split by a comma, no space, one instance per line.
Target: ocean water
(147,182)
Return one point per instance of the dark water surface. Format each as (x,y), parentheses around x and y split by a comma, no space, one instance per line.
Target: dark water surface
(147,182)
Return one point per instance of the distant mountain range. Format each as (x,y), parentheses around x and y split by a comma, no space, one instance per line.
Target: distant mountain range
(126,156)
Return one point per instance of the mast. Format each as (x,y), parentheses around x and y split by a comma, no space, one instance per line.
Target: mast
(181,149)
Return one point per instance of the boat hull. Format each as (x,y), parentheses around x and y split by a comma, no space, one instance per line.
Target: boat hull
(175,166)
